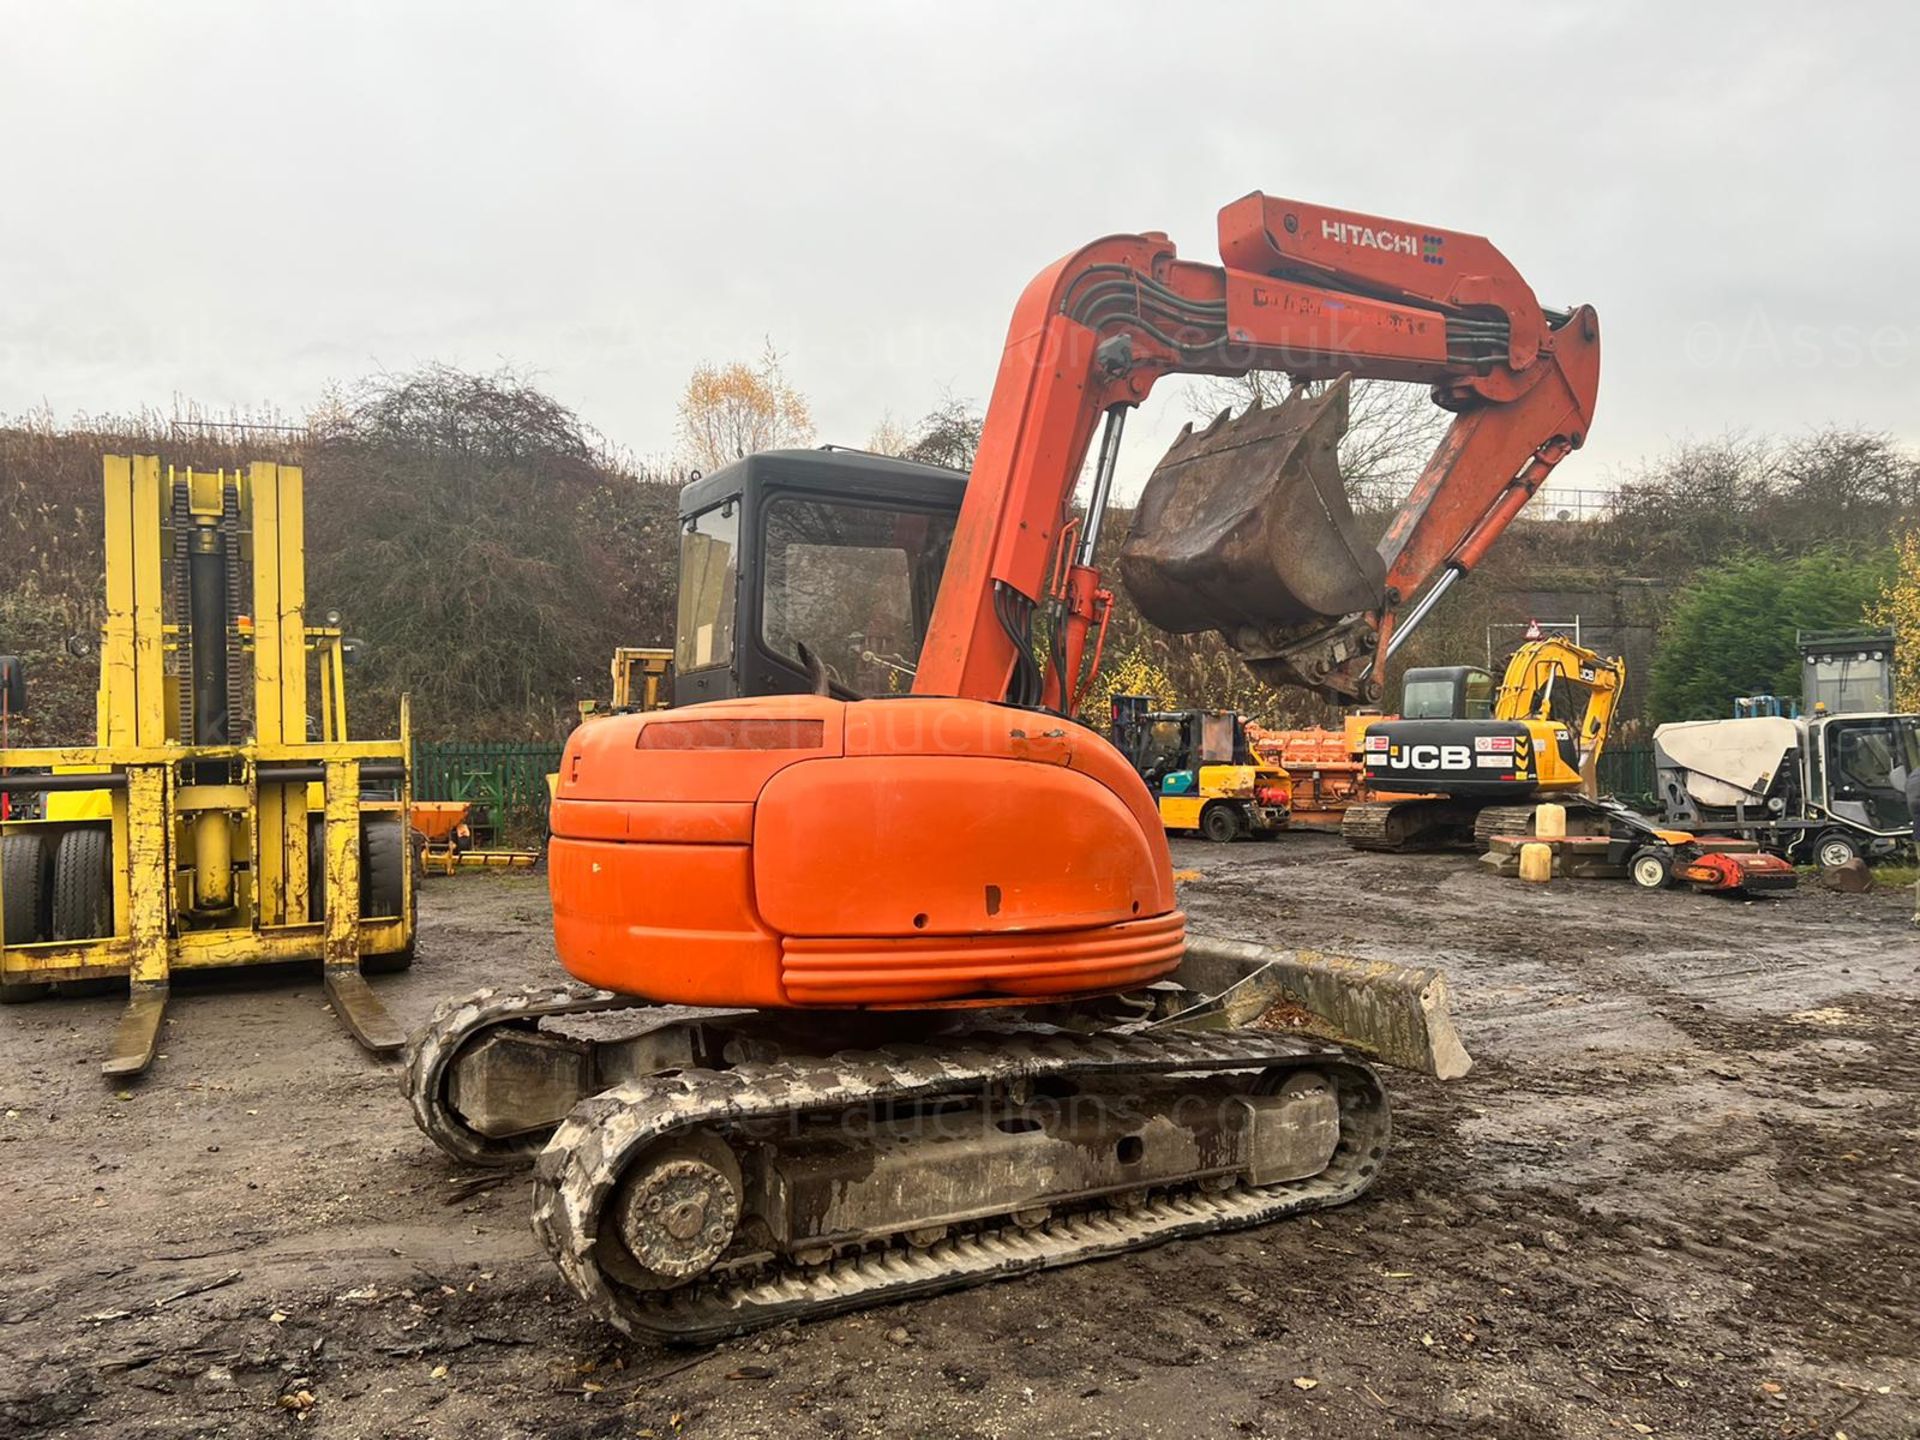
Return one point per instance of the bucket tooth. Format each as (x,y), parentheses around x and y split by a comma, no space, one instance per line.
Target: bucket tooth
(1245,527)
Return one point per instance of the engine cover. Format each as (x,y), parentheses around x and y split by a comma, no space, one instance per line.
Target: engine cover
(799,850)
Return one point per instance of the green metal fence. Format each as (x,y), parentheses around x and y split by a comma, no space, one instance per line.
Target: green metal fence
(1626,770)
(505,784)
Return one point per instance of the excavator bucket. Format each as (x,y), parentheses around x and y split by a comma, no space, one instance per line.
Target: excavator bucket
(1244,528)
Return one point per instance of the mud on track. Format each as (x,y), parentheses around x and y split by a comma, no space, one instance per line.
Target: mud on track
(1680,1195)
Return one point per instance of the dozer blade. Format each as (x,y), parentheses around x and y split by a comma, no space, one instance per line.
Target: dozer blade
(1397,1014)
(1244,528)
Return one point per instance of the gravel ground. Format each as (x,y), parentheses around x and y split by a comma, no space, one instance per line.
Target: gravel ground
(1677,1196)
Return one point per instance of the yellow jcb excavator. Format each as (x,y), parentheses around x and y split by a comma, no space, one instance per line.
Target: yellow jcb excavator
(1473,759)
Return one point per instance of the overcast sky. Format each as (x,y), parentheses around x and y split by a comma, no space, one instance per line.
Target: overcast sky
(236,204)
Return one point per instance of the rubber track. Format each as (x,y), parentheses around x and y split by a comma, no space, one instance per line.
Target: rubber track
(1502,820)
(431,1049)
(1518,819)
(1364,826)
(1368,825)
(575,1177)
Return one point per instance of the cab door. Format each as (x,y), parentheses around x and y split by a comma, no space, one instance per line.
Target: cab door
(1867,766)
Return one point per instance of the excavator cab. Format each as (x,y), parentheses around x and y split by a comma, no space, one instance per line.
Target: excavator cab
(809,570)
(1446,692)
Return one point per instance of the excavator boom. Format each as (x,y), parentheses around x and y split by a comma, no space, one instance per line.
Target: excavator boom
(1555,679)
(1317,293)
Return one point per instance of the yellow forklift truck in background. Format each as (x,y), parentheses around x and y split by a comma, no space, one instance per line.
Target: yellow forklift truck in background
(1201,769)
(213,824)
(642,680)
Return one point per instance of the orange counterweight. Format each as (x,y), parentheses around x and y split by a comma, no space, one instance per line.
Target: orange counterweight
(804,851)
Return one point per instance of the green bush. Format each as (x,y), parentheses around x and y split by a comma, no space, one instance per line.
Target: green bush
(1732,630)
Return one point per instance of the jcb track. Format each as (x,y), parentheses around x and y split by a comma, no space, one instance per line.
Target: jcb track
(578,1174)
(1501,820)
(1454,822)
(1439,823)
(1583,818)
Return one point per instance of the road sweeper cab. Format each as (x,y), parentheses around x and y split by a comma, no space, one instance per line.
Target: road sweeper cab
(1818,788)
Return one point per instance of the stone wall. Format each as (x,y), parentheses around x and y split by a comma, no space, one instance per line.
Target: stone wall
(1621,617)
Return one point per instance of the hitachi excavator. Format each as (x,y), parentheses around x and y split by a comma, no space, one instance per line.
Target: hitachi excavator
(866,1009)
(1478,757)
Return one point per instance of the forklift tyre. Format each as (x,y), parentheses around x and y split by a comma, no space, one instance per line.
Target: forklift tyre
(83,900)
(1651,868)
(26,882)
(1220,823)
(382,858)
(386,850)
(83,885)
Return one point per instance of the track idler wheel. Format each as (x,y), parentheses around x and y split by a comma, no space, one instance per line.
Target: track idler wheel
(677,1209)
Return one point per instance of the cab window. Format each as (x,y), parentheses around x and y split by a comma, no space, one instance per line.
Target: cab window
(709,544)
(1479,695)
(1428,699)
(855,584)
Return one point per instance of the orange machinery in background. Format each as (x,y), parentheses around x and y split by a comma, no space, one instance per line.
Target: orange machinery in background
(1327,767)
(443,841)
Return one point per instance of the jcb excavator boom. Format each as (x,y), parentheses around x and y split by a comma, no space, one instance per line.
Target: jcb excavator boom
(1554,679)
(1317,293)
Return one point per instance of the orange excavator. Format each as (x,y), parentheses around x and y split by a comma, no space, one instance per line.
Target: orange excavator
(871,1001)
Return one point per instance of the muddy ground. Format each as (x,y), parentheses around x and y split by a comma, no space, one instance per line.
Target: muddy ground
(1677,1196)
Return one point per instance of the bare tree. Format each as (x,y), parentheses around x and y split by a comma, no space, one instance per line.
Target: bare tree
(889,437)
(948,435)
(1704,500)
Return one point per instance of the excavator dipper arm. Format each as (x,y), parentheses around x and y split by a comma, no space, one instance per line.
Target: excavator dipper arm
(1315,292)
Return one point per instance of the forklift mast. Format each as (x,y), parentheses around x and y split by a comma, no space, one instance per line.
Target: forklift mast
(214,822)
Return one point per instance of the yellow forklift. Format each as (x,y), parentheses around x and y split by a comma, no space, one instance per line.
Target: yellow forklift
(642,680)
(1203,773)
(215,823)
